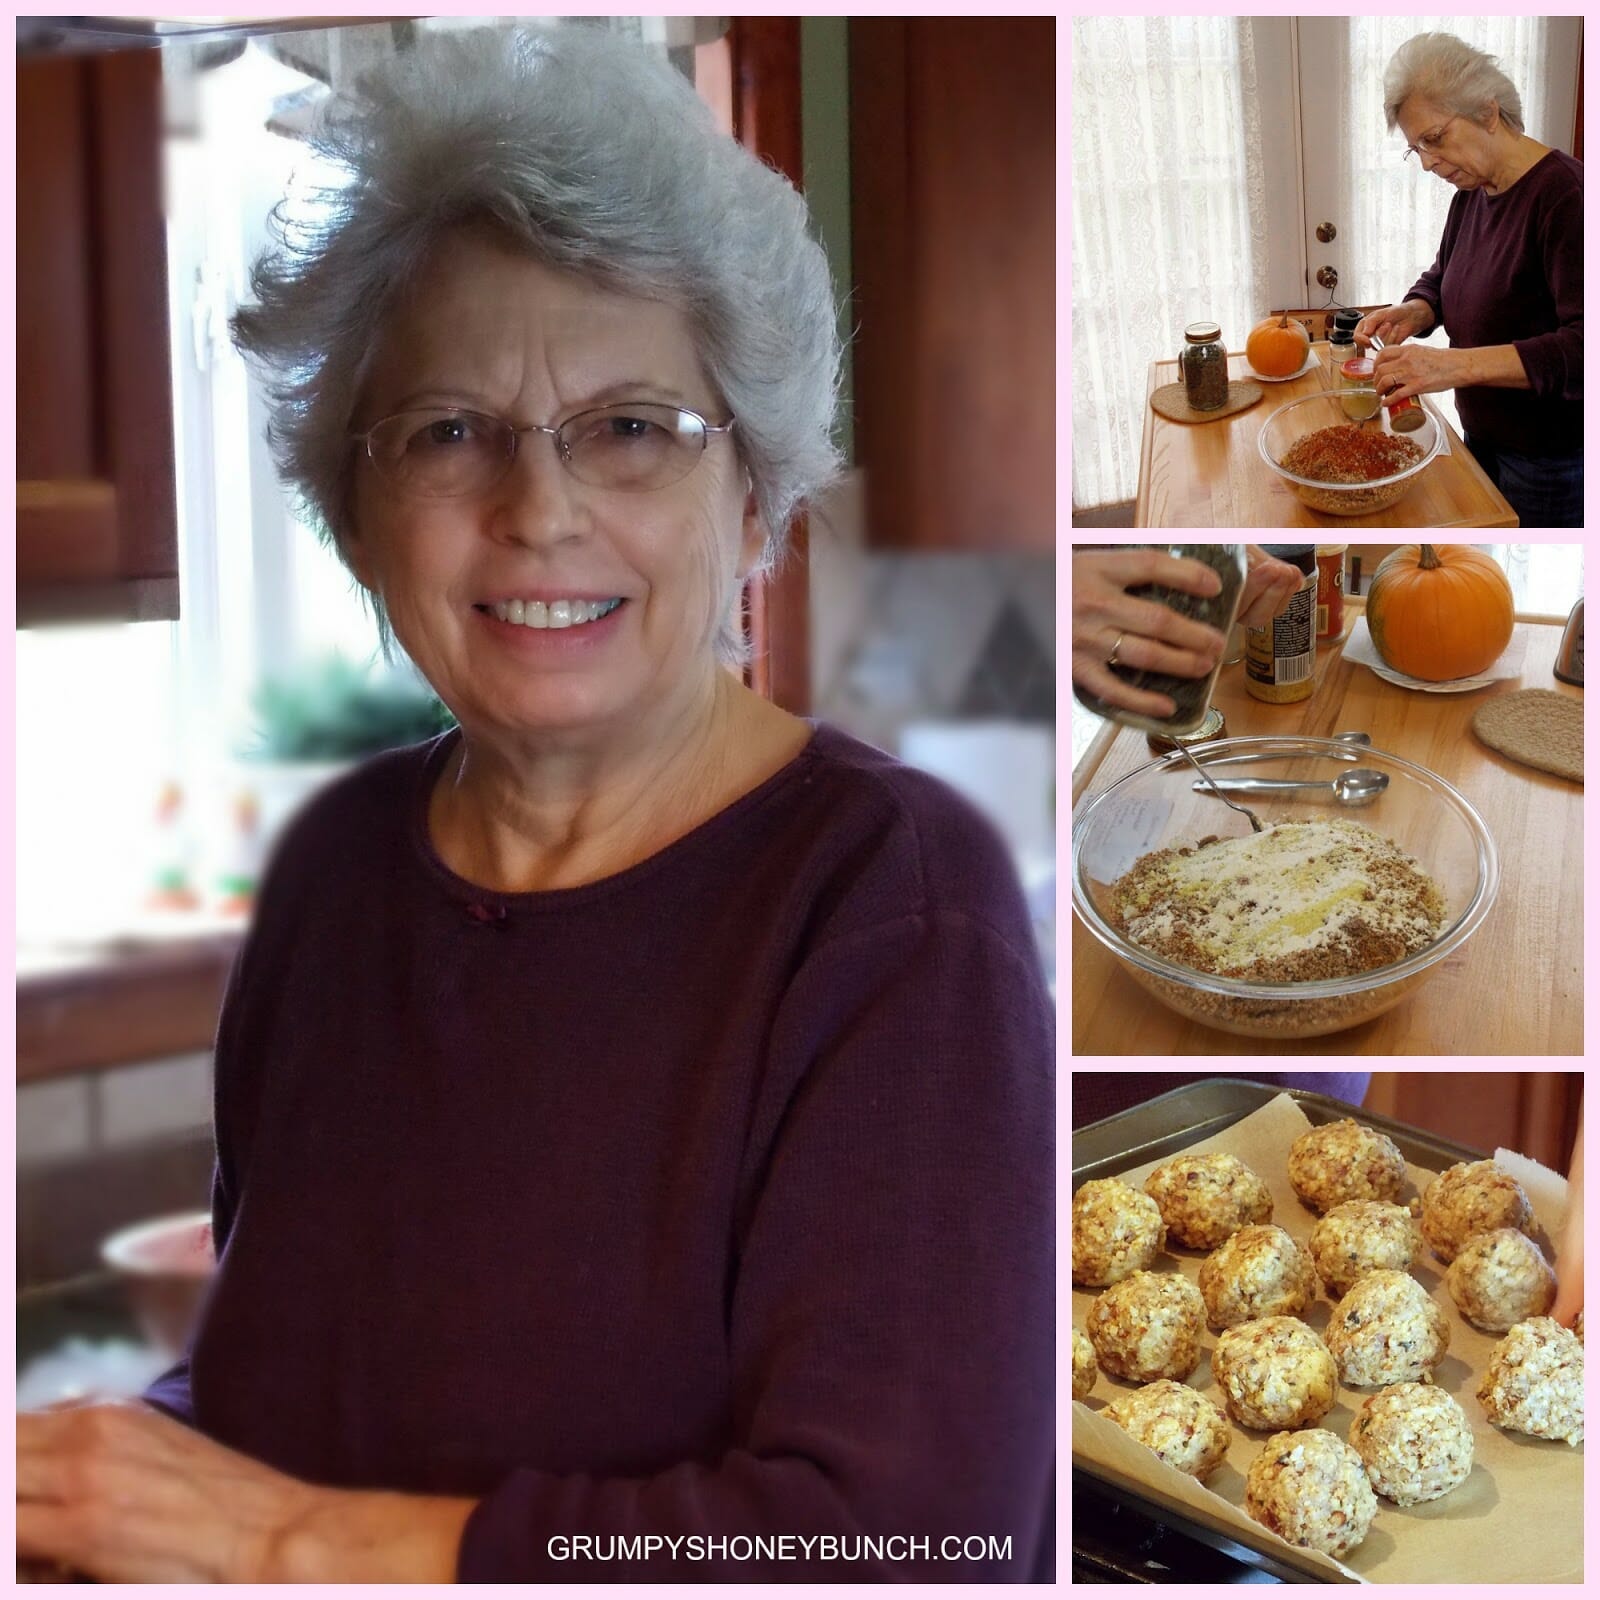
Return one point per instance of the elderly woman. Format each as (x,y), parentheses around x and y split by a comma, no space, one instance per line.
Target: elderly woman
(1507,284)
(634,1109)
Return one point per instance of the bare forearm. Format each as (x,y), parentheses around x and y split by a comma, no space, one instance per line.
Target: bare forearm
(354,1537)
(1492,366)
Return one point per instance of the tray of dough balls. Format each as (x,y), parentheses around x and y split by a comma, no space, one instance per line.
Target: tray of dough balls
(1321,1335)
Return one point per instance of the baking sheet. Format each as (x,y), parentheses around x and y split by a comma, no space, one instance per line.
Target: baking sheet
(1519,1516)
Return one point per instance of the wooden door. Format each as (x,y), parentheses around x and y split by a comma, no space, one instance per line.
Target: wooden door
(96,499)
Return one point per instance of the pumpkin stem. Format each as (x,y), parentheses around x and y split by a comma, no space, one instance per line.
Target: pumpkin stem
(1430,558)
(1283,321)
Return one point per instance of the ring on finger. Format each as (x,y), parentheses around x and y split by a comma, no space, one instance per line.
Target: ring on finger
(1111,660)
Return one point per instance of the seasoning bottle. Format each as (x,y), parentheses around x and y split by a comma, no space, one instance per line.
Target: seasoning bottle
(1330,590)
(1203,365)
(1342,339)
(1404,415)
(1280,660)
(1191,696)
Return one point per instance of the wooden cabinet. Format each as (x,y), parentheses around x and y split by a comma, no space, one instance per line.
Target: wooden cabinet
(96,500)
(952,158)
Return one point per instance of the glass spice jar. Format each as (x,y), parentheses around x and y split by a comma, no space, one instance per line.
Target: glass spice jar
(1203,366)
(1358,398)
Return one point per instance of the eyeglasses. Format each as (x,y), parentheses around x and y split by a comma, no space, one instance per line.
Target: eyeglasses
(1427,143)
(444,452)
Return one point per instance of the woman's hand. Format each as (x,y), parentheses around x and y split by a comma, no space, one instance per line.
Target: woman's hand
(1269,586)
(1106,619)
(1399,370)
(1394,324)
(125,1494)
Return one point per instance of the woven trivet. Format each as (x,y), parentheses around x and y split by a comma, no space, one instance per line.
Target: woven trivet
(1171,401)
(1537,727)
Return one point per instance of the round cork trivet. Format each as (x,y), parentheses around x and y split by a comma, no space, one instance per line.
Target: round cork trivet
(1171,401)
(1537,727)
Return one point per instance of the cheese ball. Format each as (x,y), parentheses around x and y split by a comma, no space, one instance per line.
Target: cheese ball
(1471,1197)
(1361,1236)
(1259,1272)
(1184,1428)
(1577,1327)
(1084,1368)
(1414,1440)
(1204,1199)
(1275,1373)
(1534,1381)
(1115,1230)
(1344,1161)
(1311,1489)
(1387,1330)
(1500,1279)
(1148,1327)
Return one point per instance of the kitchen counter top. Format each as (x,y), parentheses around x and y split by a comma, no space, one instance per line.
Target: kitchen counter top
(1211,475)
(1515,987)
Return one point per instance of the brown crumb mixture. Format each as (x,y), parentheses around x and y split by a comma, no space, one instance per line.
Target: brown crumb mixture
(1298,902)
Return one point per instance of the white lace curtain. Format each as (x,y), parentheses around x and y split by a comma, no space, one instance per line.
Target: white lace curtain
(1167,216)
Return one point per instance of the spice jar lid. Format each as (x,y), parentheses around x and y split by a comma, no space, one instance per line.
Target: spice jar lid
(1203,332)
(1357,367)
(1346,320)
(1214,726)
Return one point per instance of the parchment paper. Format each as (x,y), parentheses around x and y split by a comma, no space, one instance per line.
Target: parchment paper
(1519,1516)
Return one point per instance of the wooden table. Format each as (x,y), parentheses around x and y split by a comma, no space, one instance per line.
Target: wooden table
(1211,475)
(1514,988)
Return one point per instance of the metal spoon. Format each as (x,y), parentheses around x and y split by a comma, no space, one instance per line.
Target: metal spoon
(1358,788)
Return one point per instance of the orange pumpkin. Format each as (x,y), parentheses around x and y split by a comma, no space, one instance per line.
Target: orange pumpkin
(1277,347)
(1438,612)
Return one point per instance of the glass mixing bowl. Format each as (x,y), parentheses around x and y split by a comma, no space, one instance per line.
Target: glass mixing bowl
(1157,806)
(1325,410)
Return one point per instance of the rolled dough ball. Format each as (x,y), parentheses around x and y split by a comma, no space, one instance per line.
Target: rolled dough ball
(1084,1368)
(1344,1161)
(1311,1489)
(1184,1428)
(1148,1327)
(1387,1330)
(1259,1272)
(1115,1230)
(1275,1373)
(1534,1381)
(1577,1327)
(1500,1279)
(1471,1197)
(1203,1199)
(1361,1236)
(1414,1440)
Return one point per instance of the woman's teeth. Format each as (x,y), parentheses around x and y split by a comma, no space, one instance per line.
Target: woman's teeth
(555,614)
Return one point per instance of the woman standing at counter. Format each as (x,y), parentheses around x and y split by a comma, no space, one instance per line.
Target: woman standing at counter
(1507,283)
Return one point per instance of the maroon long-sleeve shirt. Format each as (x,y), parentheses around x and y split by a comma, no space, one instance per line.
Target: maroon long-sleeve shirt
(711,1201)
(1510,271)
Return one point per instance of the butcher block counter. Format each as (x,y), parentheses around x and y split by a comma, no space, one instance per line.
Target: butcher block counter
(1514,988)
(1211,475)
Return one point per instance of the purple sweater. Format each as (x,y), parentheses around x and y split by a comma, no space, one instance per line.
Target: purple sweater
(712,1199)
(1510,271)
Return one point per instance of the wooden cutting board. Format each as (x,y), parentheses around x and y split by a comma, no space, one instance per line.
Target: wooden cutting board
(1514,988)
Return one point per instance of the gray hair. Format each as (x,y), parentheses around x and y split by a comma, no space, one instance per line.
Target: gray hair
(596,157)
(1449,72)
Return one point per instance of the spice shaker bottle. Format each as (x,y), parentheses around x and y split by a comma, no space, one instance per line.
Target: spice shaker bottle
(1280,660)
(1192,696)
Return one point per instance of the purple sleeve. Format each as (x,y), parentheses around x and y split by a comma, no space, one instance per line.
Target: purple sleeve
(1554,361)
(892,1314)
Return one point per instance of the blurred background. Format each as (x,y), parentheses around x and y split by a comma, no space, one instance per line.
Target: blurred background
(192,663)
